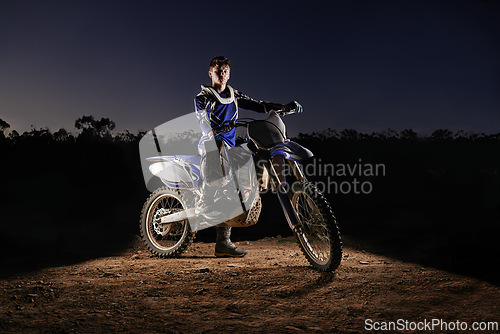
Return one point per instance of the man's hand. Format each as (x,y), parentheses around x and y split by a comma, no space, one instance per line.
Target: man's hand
(227,126)
(293,107)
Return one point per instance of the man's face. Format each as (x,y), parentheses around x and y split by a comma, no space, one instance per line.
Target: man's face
(219,74)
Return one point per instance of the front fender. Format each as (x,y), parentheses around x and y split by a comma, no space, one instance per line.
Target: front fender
(292,151)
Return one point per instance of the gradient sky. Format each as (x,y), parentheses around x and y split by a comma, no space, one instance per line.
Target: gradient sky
(366,65)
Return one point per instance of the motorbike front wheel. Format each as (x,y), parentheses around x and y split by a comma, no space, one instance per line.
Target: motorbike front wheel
(164,240)
(318,233)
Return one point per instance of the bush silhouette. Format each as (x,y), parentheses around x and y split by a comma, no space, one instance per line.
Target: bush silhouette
(439,202)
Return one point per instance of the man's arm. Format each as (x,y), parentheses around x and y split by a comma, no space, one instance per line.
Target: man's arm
(200,106)
(247,102)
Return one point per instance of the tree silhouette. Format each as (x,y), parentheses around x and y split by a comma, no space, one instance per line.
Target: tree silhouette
(3,125)
(92,129)
(128,137)
(63,136)
(349,134)
(408,134)
(442,134)
(13,135)
(41,135)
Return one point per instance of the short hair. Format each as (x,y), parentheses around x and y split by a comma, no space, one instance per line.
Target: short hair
(219,61)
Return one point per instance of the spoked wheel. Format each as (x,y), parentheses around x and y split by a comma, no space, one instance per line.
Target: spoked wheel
(318,233)
(164,240)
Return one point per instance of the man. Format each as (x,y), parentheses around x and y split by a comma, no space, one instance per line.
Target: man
(215,105)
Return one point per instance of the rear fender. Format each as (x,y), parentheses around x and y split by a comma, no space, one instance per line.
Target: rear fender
(176,174)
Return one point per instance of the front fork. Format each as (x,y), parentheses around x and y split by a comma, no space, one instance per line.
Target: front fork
(282,189)
(277,169)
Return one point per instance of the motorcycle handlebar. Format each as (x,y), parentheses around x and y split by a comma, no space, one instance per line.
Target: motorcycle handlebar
(229,125)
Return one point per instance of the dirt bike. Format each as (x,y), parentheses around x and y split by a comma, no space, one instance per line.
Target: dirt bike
(169,217)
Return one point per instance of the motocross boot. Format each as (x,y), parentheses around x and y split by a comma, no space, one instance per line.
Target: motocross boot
(205,208)
(224,247)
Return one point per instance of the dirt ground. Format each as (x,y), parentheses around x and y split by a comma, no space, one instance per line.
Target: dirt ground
(272,290)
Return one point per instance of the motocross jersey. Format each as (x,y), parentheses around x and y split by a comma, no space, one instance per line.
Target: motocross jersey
(213,109)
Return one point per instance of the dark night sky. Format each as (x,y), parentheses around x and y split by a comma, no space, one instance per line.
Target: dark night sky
(366,65)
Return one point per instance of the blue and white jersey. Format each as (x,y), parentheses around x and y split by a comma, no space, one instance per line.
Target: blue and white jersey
(213,109)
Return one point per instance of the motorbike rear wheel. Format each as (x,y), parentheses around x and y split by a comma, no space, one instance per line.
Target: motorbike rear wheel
(164,240)
(318,233)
